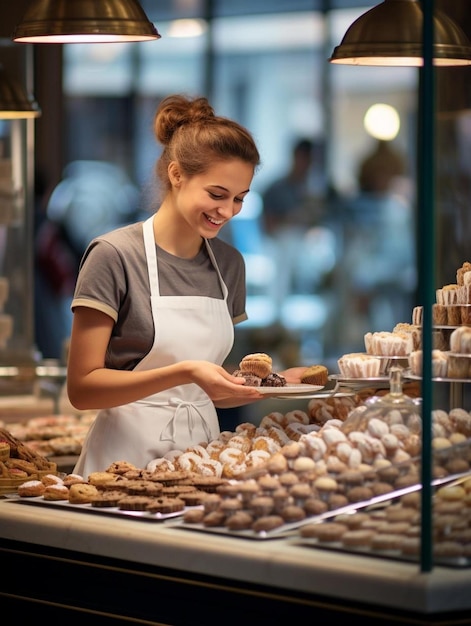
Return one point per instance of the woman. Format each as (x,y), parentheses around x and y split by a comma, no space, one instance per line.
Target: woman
(155,302)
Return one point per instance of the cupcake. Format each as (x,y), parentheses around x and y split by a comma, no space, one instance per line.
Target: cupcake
(258,363)
(315,375)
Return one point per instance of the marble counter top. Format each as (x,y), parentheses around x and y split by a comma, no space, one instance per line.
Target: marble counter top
(276,562)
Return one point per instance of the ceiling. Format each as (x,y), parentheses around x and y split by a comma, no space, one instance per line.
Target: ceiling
(169,9)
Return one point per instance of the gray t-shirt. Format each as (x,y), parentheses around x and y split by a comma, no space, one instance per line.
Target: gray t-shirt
(113,279)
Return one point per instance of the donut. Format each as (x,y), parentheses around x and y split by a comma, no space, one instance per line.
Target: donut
(256,458)
(198,450)
(246,429)
(297,416)
(210,467)
(275,418)
(233,470)
(279,435)
(266,443)
(161,464)
(189,461)
(231,455)
(240,442)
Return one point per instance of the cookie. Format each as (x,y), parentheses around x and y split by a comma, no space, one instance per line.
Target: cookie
(134,503)
(82,493)
(165,505)
(143,488)
(106,499)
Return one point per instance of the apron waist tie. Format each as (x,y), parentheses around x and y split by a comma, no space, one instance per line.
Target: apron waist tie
(188,412)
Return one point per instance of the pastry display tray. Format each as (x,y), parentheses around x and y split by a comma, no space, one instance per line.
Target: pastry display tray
(381,380)
(290,390)
(88,508)
(288,529)
(305,391)
(395,555)
(407,374)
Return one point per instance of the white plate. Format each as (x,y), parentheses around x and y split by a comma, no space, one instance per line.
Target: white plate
(290,390)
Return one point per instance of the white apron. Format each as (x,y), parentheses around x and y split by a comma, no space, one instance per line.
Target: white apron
(185,328)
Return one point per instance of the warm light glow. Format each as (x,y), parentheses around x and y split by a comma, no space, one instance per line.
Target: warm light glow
(18,115)
(187,28)
(85,38)
(398,61)
(382,122)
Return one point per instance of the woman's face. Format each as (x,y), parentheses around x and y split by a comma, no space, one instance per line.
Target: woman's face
(209,200)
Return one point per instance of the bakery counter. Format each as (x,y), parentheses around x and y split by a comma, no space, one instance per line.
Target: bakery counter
(72,564)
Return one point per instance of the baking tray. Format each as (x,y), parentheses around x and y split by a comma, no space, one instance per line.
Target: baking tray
(395,555)
(288,529)
(88,508)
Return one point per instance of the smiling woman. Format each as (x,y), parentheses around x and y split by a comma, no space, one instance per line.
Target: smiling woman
(156,301)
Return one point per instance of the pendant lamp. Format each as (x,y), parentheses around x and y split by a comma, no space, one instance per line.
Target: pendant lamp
(14,101)
(84,21)
(391,34)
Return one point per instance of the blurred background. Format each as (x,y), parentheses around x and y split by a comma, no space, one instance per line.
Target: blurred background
(329,229)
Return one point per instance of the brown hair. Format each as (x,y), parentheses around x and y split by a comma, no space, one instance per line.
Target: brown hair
(195,137)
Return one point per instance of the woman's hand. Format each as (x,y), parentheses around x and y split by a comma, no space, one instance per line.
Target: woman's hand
(293,374)
(224,389)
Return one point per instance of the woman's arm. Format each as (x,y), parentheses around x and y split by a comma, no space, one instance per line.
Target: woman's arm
(91,385)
